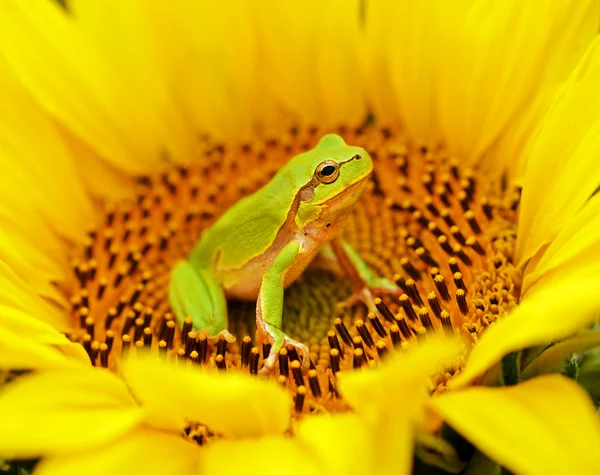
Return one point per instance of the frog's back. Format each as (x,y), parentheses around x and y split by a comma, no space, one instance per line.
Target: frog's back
(248,228)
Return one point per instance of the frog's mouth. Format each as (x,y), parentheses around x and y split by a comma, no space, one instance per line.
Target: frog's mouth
(348,197)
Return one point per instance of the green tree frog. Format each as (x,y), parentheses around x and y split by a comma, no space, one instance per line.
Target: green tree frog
(263,243)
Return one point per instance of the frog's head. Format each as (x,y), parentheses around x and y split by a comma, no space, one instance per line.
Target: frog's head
(338,175)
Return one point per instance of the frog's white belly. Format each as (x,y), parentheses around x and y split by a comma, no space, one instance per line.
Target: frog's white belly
(244,283)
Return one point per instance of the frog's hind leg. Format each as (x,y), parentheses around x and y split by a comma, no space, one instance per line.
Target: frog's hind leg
(366,284)
(327,261)
(195,293)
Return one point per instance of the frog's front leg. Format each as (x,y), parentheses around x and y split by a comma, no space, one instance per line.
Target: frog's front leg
(269,306)
(365,283)
(195,293)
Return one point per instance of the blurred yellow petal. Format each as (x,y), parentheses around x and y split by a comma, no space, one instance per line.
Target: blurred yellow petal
(402,381)
(39,173)
(509,154)
(24,255)
(578,240)
(208,52)
(40,181)
(17,292)
(312,70)
(461,72)
(141,451)
(49,194)
(376,388)
(270,455)
(126,32)
(104,180)
(496,56)
(64,411)
(544,425)
(77,84)
(558,306)
(342,444)
(340,88)
(562,166)
(402,49)
(26,343)
(20,353)
(232,404)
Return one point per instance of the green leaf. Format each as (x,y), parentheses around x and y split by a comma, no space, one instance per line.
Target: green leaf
(555,358)
(571,368)
(510,368)
(589,374)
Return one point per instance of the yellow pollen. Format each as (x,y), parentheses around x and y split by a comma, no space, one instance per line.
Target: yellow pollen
(444,233)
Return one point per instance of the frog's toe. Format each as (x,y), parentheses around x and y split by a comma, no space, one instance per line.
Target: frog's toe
(362,295)
(384,287)
(366,293)
(222,335)
(269,364)
(226,335)
(302,350)
(273,358)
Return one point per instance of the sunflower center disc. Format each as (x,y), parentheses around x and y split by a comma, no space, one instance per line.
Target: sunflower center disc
(442,232)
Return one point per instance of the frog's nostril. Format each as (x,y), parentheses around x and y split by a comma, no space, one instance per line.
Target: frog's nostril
(356,157)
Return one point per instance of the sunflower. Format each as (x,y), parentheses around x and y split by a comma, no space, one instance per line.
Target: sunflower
(127,128)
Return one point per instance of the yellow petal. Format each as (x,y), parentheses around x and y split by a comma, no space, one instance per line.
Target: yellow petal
(26,258)
(509,154)
(461,72)
(544,425)
(30,250)
(337,66)
(40,181)
(495,57)
(231,404)
(580,238)
(555,308)
(208,50)
(103,180)
(562,171)
(401,382)
(269,455)
(342,444)
(373,389)
(76,83)
(24,338)
(401,51)
(64,411)
(133,47)
(20,353)
(311,71)
(141,451)
(18,293)
(40,173)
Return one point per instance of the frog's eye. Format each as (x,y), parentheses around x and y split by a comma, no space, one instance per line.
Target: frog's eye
(327,171)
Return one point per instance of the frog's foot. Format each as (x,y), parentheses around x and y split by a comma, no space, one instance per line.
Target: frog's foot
(214,339)
(366,293)
(276,345)
(359,295)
